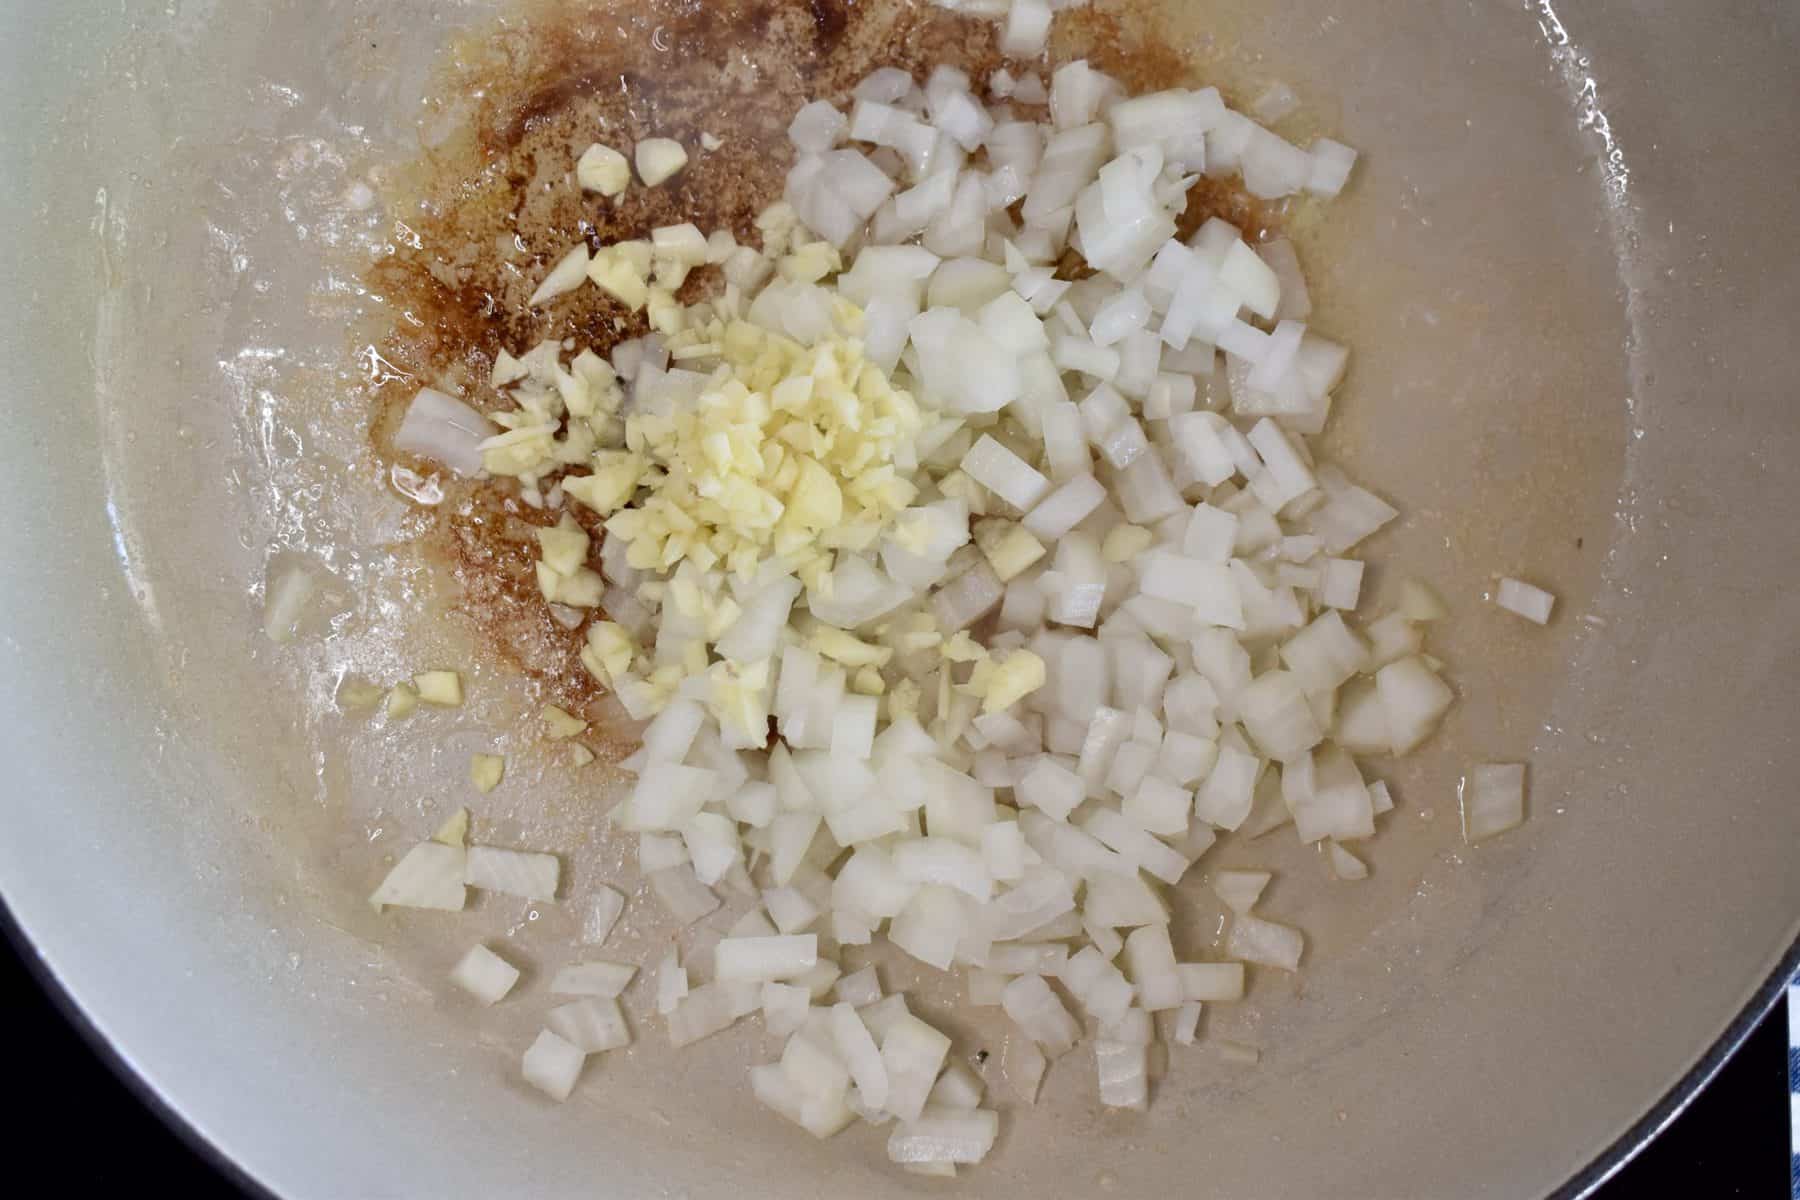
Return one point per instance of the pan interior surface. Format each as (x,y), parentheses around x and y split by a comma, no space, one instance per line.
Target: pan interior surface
(1566,270)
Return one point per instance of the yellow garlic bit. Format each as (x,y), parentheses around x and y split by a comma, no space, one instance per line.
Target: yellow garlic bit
(1002,683)
(608,652)
(787,449)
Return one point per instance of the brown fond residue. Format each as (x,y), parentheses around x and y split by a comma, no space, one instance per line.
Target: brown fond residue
(487,210)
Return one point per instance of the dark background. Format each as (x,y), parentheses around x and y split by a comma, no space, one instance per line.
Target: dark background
(1732,1142)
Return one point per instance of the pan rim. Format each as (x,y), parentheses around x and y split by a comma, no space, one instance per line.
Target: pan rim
(1629,1144)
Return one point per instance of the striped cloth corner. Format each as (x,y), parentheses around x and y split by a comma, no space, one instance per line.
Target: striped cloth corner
(1794,1084)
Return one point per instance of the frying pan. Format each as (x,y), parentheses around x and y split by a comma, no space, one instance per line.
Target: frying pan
(1568,271)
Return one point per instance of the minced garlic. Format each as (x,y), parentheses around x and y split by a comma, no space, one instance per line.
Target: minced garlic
(486,772)
(440,688)
(788,447)
(561,724)
(603,169)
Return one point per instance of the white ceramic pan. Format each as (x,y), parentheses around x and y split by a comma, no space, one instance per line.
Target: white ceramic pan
(1570,269)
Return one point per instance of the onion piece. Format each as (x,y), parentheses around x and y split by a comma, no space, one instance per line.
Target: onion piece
(1212,982)
(1150,960)
(1349,515)
(1102,988)
(1340,586)
(957,1088)
(604,909)
(1224,798)
(1027,29)
(1071,159)
(682,893)
(885,84)
(859,989)
(1123,1074)
(860,1053)
(1345,865)
(1414,699)
(1295,303)
(791,910)
(704,1011)
(1493,800)
(1522,599)
(1265,942)
(1051,788)
(817,127)
(970,597)
(1277,716)
(1185,1024)
(428,876)
(484,975)
(1029,1001)
(552,1065)
(1066,507)
(1137,847)
(784,1007)
(1330,167)
(512,872)
(1022,1063)
(1175,121)
(603,979)
(1005,474)
(592,1025)
(1076,93)
(940,1134)
(764,959)
(912,1054)
(930,926)
(445,430)
(937,860)
(1325,655)
(1240,890)
(1160,807)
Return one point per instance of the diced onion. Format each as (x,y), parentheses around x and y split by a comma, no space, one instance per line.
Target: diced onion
(765,959)
(445,430)
(592,979)
(603,912)
(1493,800)
(592,1025)
(1027,28)
(686,898)
(552,1065)
(513,872)
(1212,982)
(429,876)
(912,1054)
(945,1135)
(1532,603)
(484,975)
(1029,1001)
(1256,940)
